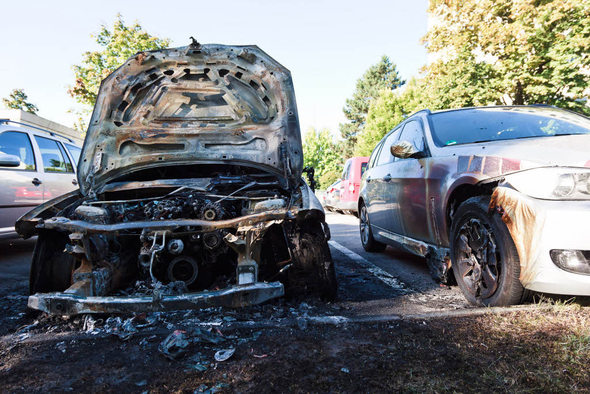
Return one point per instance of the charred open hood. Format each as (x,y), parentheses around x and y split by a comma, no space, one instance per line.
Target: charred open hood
(195,104)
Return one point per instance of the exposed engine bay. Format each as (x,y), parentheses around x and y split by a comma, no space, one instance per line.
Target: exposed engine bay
(176,236)
(183,254)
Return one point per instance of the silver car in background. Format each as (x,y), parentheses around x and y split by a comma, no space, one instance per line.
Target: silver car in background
(500,196)
(35,166)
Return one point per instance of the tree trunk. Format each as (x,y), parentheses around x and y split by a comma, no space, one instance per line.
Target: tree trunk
(518,94)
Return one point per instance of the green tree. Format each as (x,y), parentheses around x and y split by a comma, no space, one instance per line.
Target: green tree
(17,99)
(117,45)
(321,152)
(510,52)
(383,75)
(385,112)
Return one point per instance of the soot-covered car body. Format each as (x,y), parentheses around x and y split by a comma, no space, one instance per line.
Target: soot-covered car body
(190,192)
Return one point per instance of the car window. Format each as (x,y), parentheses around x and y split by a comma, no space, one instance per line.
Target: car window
(414,134)
(66,157)
(53,156)
(346,172)
(74,152)
(18,144)
(374,155)
(504,123)
(385,156)
(363,168)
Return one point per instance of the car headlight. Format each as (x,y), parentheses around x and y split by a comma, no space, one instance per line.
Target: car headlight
(555,183)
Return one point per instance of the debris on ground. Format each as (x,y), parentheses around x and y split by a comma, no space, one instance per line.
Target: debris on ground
(61,346)
(175,344)
(224,354)
(124,329)
(198,362)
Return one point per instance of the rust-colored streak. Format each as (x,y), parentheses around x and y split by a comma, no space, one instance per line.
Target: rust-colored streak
(524,223)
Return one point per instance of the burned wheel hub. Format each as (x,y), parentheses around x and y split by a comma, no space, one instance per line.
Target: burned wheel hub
(478,261)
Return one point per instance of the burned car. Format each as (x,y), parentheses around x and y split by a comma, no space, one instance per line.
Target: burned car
(191,192)
(499,196)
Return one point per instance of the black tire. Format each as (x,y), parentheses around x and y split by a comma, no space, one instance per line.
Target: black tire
(485,260)
(367,240)
(313,270)
(51,266)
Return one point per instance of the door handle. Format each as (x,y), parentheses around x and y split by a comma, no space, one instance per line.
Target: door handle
(74,182)
(36,181)
(387,178)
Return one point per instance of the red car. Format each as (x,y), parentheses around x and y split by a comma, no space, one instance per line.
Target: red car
(348,186)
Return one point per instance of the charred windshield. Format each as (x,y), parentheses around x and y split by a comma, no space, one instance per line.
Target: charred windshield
(504,123)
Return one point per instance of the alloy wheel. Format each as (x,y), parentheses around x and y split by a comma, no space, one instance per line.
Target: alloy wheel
(364,225)
(478,261)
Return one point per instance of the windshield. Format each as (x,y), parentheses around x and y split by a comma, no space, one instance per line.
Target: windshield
(504,123)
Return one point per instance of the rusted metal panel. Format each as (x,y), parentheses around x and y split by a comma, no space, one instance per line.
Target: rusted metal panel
(234,297)
(214,103)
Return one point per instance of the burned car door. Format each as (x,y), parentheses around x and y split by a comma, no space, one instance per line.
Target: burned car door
(408,186)
(380,191)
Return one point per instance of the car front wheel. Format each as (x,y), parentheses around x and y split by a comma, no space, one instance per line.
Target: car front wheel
(485,260)
(51,266)
(367,240)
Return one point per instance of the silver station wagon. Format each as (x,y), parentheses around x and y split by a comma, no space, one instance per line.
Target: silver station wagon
(499,196)
(36,165)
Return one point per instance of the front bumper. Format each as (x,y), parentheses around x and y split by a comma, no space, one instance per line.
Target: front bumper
(567,226)
(547,225)
(233,297)
(348,205)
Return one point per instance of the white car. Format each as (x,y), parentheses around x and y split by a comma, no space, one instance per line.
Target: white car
(499,196)
(36,165)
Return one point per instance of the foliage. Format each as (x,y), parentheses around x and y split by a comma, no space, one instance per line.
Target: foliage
(118,44)
(383,75)
(323,154)
(329,177)
(508,52)
(17,99)
(385,112)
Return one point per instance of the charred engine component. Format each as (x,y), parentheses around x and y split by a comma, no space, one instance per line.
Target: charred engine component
(175,246)
(176,206)
(211,211)
(183,269)
(247,269)
(94,273)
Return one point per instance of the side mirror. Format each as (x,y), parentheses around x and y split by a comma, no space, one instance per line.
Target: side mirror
(405,150)
(7,160)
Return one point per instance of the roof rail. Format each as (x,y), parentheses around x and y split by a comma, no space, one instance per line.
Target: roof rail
(52,133)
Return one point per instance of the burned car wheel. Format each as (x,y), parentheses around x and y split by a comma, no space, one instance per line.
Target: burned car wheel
(51,266)
(367,240)
(313,270)
(485,261)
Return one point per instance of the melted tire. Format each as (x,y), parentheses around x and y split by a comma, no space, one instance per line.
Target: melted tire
(509,290)
(51,266)
(313,272)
